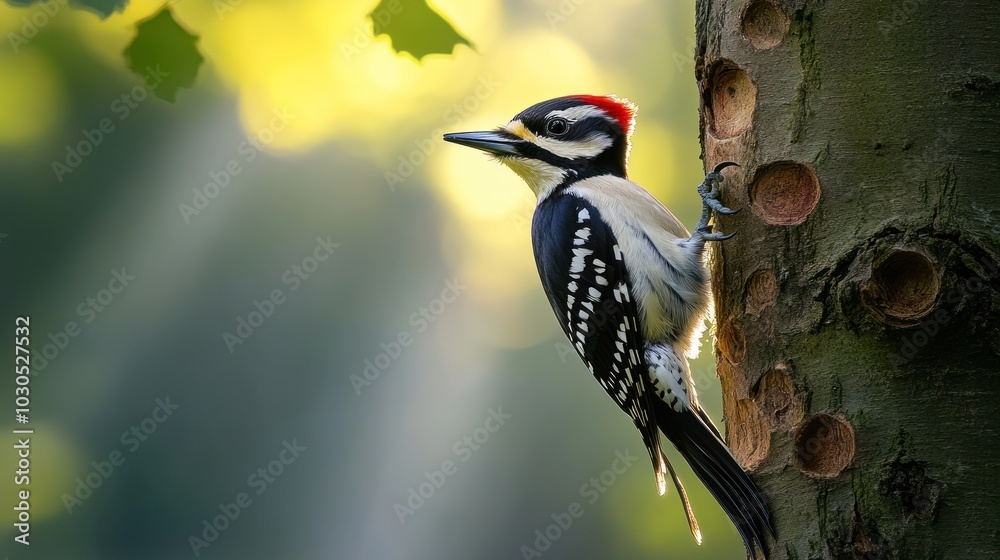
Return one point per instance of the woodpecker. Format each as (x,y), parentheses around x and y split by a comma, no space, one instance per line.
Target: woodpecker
(628,284)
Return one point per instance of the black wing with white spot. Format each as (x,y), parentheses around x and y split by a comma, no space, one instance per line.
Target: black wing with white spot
(587,284)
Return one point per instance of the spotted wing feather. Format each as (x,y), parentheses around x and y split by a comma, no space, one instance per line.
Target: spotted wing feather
(586,281)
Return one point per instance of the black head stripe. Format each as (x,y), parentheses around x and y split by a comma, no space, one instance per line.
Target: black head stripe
(534,117)
(610,161)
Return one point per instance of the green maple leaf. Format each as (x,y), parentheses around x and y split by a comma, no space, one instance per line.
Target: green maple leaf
(414,27)
(165,54)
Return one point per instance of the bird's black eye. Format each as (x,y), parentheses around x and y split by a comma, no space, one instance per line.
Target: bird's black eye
(556,127)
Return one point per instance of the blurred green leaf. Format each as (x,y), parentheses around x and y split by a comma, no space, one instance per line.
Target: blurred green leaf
(103,8)
(164,53)
(414,27)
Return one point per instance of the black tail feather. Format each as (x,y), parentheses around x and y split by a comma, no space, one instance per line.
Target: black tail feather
(725,479)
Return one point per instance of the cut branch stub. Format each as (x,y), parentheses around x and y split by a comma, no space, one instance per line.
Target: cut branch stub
(761,291)
(732,99)
(764,24)
(824,445)
(732,343)
(749,438)
(777,399)
(903,287)
(784,193)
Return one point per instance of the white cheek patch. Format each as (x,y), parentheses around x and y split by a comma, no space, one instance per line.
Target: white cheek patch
(590,146)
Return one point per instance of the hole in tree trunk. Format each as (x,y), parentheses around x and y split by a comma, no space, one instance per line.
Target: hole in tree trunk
(784,193)
(903,287)
(732,98)
(824,445)
(764,24)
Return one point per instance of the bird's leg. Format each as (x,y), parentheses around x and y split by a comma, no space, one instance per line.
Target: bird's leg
(709,192)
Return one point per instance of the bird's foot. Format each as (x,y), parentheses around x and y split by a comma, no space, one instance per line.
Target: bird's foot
(708,235)
(709,192)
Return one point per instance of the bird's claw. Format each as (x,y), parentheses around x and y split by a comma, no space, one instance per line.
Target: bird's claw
(717,206)
(709,192)
(718,168)
(717,236)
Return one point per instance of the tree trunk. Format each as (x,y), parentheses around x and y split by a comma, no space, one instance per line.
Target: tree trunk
(858,307)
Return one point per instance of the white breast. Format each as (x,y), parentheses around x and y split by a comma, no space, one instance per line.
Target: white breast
(672,299)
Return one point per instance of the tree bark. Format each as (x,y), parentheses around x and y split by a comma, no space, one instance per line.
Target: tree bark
(858,307)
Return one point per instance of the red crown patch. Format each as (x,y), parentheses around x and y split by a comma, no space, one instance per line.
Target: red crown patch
(618,108)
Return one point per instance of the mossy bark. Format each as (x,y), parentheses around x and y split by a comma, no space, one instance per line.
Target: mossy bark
(858,307)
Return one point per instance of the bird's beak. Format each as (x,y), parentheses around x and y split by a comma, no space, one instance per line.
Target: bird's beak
(498,142)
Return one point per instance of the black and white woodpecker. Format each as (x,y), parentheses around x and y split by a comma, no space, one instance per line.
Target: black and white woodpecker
(627,283)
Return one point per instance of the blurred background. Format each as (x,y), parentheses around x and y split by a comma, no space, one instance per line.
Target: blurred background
(280,318)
